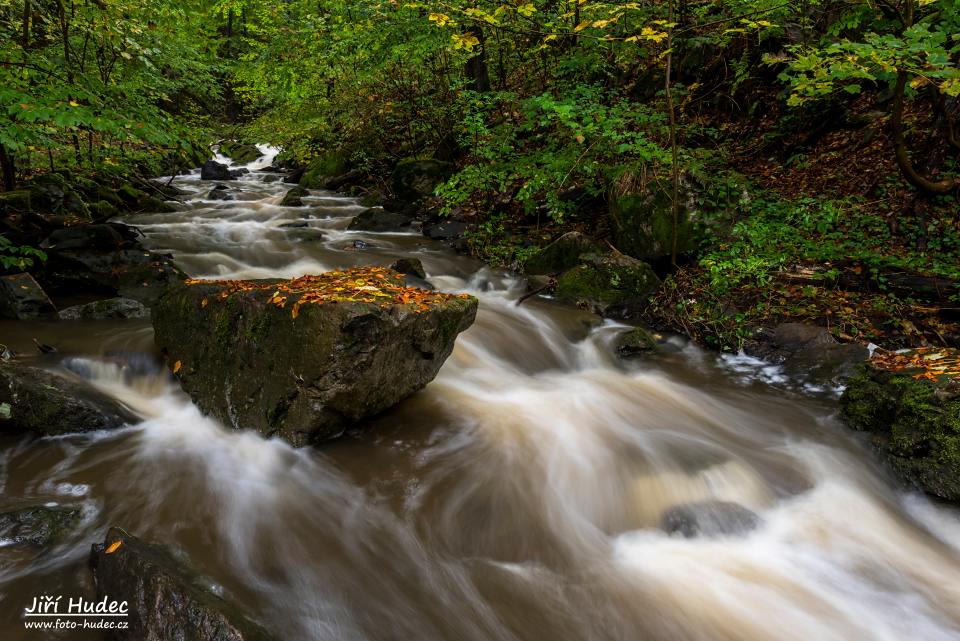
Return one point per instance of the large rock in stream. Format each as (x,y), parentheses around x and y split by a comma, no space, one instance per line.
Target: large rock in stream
(305,359)
(166,598)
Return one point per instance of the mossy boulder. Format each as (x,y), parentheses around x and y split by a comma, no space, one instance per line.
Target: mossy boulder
(33,400)
(306,359)
(560,255)
(635,342)
(913,422)
(415,179)
(15,202)
(609,284)
(166,597)
(642,223)
(322,168)
(111,308)
(240,153)
(53,193)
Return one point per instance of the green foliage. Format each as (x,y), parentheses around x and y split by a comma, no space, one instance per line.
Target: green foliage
(18,257)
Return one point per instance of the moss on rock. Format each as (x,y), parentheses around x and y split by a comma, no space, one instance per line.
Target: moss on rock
(913,423)
(615,285)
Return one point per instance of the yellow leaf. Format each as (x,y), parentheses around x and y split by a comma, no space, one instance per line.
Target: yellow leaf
(440,18)
(177,366)
(74,103)
(204,302)
(114,546)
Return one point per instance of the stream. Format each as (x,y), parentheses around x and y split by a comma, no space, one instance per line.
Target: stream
(519,496)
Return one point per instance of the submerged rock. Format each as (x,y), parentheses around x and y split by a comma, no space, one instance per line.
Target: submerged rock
(611,285)
(106,309)
(21,298)
(635,342)
(378,220)
(709,518)
(39,525)
(307,358)
(167,599)
(220,192)
(40,402)
(562,254)
(293,197)
(913,419)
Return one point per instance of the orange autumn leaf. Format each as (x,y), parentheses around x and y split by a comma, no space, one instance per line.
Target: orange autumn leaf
(114,547)
(177,366)
(204,302)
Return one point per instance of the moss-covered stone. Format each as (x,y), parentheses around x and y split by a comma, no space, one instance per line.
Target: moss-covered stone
(343,346)
(322,168)
(17,201)
(635,342)
(562,254)
(615,285)
(38,526)
(913,423)
(240,153)
(414,179)
(642,224)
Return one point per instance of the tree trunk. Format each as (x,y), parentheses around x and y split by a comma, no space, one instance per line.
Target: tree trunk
(8,168)
(476,67)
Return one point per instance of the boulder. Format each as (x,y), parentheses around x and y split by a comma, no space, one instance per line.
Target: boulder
(560,255)
(213,170)
(40,402)
(271,178)
(912,416)
(411,266)
(105,259)
(293,197)
(807,352)
(52,193)
(308,358)
(614,285)
(220,192)
(709,518)
(240,154)
(21,298)
(635,342)
(166,598)
(446,230)
(110,308)
(39,525)
(378,220)
(414,179)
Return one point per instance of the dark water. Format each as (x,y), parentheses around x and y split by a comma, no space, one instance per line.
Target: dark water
(517,497)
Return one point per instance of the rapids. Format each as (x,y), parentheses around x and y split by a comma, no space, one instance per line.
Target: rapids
(517,497)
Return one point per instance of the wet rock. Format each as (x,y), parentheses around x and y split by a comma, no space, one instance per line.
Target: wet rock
(21,298)
(378,220)
(167,599)
(220,192)
(240,154)
(272,178)
(106,309)
(306,372)
(104,259)
(213,170)
(709,518)
(53,193)
(807,352)
(612,285)
(44,403)
(300,224)
(446,230)
(39,525)
(296,175)
(293,197)
(560,255)
(635,342)
(411,266)
(914,424)
(359,245)
(414,180)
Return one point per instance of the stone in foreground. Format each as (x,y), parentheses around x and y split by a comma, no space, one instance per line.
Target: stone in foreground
(305,359)
(38,525)
(43,403)
(166,599)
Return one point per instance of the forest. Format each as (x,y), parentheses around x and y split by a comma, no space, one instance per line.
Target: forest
(291,211)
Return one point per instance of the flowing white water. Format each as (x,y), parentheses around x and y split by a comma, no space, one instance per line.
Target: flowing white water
(519,496)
